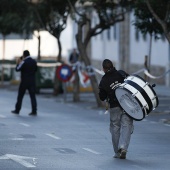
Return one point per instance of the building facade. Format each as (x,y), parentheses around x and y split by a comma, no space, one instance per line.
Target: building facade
(122,44)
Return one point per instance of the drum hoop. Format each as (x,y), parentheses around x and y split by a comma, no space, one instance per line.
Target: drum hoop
(135,75)
(139,104)
(143,93)
(157,101)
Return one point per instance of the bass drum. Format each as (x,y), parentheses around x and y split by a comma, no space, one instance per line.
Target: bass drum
(137,97)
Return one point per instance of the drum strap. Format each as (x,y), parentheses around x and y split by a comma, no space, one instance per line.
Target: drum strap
(143,93)
(122,73)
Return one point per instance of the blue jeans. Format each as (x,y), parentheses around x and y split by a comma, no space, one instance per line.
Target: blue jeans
(121,128)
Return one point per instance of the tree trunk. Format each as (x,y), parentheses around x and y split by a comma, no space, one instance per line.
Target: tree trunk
(39,48)
(162,23)
(57,86)
(59,50)
(57,83)
(149,53)
(124,44)
(3,57)
(93,80)
(76,87)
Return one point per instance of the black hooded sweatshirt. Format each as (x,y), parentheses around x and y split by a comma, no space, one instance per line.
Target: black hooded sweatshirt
(108,83)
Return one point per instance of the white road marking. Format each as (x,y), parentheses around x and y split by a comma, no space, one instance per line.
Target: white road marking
(17,139)
(162,120)
(92,151)
(19,159)
(24,124)
(53,136)
(137,167)
(167,124)
(73,106)
(3,157)
(167,111)
(153,122)
(2,116)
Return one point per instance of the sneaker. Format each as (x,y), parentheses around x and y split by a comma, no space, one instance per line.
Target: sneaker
(15,112)
(117,155)
(122,153)
(33,114)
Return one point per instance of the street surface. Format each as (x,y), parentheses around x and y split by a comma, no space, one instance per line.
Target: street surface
(75,136)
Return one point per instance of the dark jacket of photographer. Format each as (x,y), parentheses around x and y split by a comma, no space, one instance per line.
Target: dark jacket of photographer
(28,67)
(108,83)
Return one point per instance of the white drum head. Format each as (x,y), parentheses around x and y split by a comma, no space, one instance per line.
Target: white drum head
(130,104)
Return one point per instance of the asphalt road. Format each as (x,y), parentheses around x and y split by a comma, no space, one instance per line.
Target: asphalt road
(75,136)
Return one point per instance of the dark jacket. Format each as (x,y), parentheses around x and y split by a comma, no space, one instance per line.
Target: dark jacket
(28,69)
(73,58)
(107,85)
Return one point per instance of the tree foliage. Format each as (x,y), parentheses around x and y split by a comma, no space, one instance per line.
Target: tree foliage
(107,13)
(12,14)
(146,22)
(26,16)
(53,16)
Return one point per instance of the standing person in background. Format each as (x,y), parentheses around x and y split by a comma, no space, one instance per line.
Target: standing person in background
(74,56)
(121,126)
(27,66)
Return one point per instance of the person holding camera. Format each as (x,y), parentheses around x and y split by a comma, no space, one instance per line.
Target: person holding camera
(28,67)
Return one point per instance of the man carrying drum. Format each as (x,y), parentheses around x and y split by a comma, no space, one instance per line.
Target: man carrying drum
(121,125)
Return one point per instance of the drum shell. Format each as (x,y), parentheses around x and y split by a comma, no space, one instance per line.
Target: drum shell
(128,110)
(141,91)
(145,87)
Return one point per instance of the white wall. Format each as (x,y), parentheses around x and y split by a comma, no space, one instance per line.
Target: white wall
(140,48)
(49,46)
(103,48)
